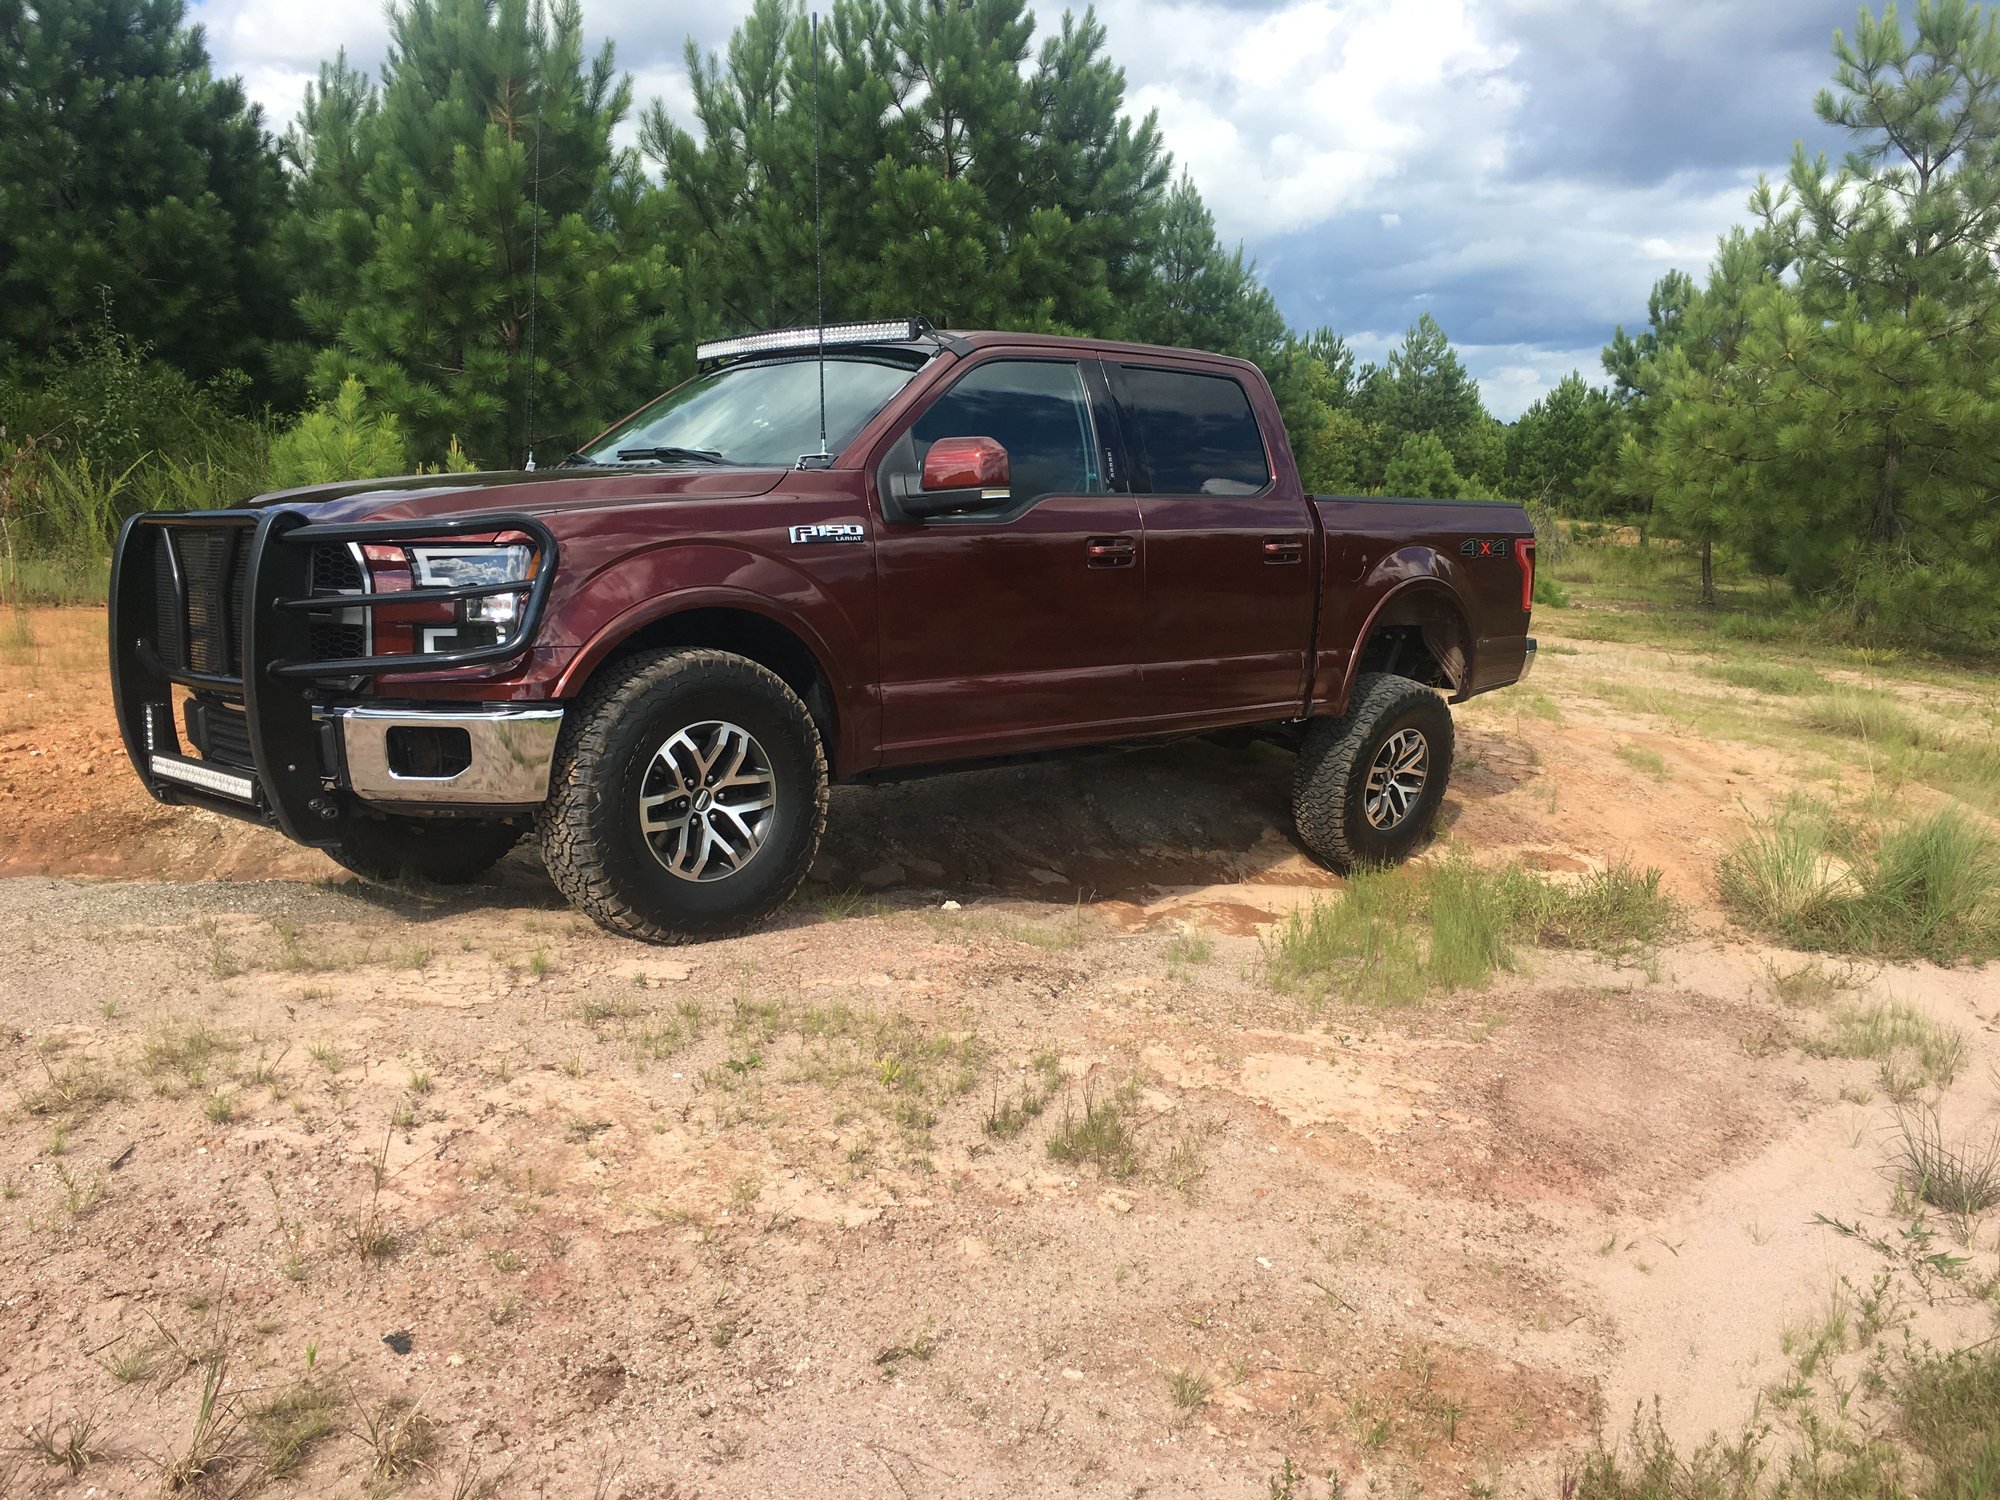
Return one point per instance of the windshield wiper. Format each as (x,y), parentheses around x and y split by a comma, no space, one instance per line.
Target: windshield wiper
(576,459)
(670,455)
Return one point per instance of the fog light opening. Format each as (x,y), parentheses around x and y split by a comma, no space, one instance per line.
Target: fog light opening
(428,752)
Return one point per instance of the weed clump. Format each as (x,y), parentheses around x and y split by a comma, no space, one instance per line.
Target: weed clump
(1929,889)
(1395,935)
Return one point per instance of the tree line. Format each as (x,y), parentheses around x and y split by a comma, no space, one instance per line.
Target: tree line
(456,260)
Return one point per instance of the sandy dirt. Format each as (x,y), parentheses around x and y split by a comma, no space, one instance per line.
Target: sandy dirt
(736,1220)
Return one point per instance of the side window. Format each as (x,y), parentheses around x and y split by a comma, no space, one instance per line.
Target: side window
(1192,434)
(1037,410)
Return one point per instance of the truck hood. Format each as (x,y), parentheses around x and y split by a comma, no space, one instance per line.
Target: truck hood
(544,493)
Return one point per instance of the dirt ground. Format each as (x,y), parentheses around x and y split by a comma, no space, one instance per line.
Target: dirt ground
(471,1194)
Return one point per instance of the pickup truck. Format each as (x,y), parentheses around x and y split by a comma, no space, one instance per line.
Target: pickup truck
(834,554)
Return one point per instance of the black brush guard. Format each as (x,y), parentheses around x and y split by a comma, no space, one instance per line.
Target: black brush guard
(230,614)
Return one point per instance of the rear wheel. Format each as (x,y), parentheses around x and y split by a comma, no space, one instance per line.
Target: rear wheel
(442,851)
(689,796)
(1370,782)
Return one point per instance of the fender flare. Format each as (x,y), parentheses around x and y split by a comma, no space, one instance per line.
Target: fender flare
(1432,581)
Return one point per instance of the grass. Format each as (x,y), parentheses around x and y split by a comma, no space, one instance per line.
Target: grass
(1929,888)
(1772,678)
(215,1440)
(1102,1135)
(1188,1389)
(1395,935)
(183,1056)
(1915,1052)
(1961,1178)
(1941,1439)
(1867,714)
(70,1092)
(289,1424)
(66,1446)
(1008,1118)
(1640,758)
(397,1434)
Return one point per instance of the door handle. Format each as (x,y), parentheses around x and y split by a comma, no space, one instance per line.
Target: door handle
(1279,550)
(1109,552)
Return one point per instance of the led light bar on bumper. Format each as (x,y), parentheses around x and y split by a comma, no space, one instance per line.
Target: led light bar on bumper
(780,340)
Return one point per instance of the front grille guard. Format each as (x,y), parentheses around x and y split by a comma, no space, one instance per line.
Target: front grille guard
(277,663)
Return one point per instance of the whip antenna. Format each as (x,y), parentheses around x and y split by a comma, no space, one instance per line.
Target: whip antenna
(535,284)
(819,251)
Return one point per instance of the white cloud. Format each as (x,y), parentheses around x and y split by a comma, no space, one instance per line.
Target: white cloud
(1317,108)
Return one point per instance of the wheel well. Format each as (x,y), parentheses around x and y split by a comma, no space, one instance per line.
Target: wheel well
(745,634)
(1421,636)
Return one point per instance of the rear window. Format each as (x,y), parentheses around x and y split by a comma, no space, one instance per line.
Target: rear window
(1192,434)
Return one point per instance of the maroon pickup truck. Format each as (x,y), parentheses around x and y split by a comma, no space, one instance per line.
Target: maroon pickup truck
(832,555)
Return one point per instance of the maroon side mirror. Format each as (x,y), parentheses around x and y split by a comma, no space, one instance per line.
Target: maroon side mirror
(967,463)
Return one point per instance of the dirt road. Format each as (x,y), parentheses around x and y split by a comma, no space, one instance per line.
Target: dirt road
(997,1167)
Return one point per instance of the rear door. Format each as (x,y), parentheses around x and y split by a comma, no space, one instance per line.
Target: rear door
(1023,626)
(1229,552)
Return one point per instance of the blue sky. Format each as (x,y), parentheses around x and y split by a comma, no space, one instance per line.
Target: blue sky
(1522,169)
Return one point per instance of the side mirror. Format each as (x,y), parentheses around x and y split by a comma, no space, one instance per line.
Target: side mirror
(960,473)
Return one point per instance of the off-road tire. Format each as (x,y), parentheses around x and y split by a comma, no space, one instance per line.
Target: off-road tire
(1329,788)
(589,828)
(441,851)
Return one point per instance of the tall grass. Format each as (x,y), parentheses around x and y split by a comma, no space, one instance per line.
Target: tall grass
(1929,888)
(1396,935)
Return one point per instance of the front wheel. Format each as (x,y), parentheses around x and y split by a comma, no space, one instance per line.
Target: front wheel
(1370,782)
(688,799)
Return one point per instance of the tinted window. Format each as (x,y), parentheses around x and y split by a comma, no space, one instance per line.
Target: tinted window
(1192,434)
(1036,410)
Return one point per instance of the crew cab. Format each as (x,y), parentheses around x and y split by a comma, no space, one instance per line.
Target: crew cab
(833,554)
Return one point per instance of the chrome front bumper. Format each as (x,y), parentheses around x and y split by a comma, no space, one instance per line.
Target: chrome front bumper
(511,749)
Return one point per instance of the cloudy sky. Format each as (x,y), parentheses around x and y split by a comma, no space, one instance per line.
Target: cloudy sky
(1523,169)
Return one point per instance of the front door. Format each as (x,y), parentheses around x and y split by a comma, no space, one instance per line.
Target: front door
(1019,627)
(1229,555)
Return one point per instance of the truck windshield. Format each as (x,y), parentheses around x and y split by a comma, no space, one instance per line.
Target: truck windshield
(757,414)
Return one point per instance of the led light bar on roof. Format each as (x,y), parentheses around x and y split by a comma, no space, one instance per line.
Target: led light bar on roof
(779,340)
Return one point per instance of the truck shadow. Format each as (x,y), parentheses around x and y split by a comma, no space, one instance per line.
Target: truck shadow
(1108,825)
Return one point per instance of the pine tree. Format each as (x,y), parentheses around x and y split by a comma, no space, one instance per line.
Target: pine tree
(964,176)
(1424,387)
(136,189)
(420,213)
(1709,472)
(1200,297)
(1563,444)
(1421,469)
(1839,423)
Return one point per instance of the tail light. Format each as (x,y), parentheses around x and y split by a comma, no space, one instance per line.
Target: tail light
(1524,551)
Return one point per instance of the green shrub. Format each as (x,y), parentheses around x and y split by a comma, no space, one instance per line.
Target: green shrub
(1549,592)
(344,438)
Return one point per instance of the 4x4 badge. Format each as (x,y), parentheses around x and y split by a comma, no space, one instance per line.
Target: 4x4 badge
(829,531)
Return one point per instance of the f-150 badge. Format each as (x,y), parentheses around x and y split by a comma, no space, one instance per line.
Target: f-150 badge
(830,531)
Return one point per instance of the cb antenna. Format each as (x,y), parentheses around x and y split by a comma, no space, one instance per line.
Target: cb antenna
(822,458)
(535,282)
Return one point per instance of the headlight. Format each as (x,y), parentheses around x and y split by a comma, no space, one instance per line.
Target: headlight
(489,620)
